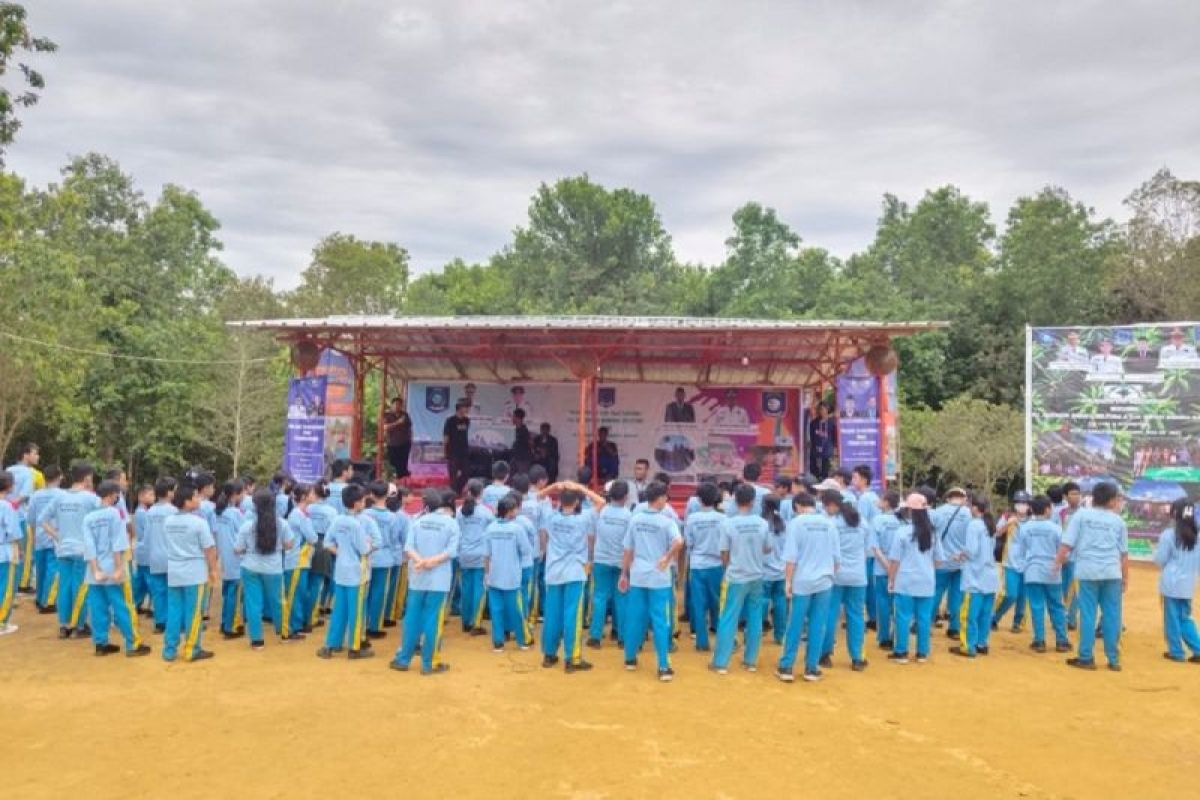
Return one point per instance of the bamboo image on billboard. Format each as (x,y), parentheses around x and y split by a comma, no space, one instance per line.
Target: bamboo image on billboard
(1119,404)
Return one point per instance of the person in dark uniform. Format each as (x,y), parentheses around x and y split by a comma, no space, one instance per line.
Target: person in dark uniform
(398,427)
(821,435)
(545,452)
(522,449)
(680,410)
(456,439)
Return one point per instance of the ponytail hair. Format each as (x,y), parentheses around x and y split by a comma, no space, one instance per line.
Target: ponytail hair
(225,496)
(266,529)
(850,514)
(771,514)
(922,528)
(1183,512)
(981,504)
(471,497)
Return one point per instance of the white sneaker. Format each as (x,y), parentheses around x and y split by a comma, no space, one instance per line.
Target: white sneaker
(8,628)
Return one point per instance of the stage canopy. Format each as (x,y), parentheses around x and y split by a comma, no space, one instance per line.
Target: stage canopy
(805,354)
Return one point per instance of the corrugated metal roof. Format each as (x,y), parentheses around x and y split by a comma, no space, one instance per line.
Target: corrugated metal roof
(703,351)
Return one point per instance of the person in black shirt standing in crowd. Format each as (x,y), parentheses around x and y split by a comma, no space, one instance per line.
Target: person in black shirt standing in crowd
(821,435)
(545,452)
(456,439)
(522,449)
(398,426)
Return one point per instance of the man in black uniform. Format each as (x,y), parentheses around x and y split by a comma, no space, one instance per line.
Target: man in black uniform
(545,452)
(456,440)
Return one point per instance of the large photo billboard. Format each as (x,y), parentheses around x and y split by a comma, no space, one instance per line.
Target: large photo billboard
(1117,404)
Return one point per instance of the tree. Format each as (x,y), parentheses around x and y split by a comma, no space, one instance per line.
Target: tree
(587,249)
(1155,279)
(766,273)
(462,289)
(351,276)
(15,37)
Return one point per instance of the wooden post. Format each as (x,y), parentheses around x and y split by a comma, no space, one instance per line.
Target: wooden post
(595,398)
(881,412)
(356,428)
(379,434)
(582,427)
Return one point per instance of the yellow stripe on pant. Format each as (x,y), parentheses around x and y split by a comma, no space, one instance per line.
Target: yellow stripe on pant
(127,595)
(289,600)
(437,642)
(9,589)
(238,622)
(524,619)
(477,617)
(670,640)
(577,650)
(964,613)
(359,613)
(401,592)
(27,564)
(194,629)
(721,601)
(77,607)
(52,595)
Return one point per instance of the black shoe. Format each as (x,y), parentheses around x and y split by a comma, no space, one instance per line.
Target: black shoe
(1071,626)
(396,665)
(436,669)
(703,648)
(593,643)
(858,666)
(872,625)
(307,629)
(612,636)
(294,637)
(325,653)
(812,676)
(1169,657)
(257,644)
(549,661)
(631,664)
(232,635)
(899,658)
(477,631)
(666,675)
(784,675)
(952,634)
(959,650)
(1194,660)
(140,650)
(981,650)
(1114,667)
(47,610)
(826,661)
(376,635)
(203,655)
(886,645)
(64,633)
(356,655)
(107,649)
(84,631)
(578,666)
(389,623)
(1063,647)
(1079,663)
(160,628)
(1038,647)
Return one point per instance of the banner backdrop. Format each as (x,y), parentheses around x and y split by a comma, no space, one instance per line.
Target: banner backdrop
(339,403)
(708,433)
(859,410)
(1117,404)
(304,441)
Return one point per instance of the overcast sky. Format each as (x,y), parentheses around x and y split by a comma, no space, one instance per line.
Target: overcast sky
(431,123)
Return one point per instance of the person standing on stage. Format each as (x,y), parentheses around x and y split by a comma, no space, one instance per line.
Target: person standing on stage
(456,439)
(522,448)
(821,434)
(398,425)
(545,451)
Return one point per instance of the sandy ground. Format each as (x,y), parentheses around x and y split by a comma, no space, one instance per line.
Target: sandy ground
(281,723)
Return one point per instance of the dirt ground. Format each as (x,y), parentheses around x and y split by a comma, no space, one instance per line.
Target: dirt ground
(281,723)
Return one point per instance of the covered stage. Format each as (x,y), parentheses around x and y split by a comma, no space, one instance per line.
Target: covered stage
(806,356)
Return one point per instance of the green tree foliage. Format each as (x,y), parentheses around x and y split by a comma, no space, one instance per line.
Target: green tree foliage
(351,276)
(969,442)
(15,38)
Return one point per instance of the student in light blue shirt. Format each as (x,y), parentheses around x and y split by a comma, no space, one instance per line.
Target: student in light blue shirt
(105,545)
(867,504)
(156,547)
(1099,542)
(504,544)
(883,531)
(750,476)
(227,508)
(340,473)
(433,542)
(916,552)
(569,538)
(297,561)
(320,572)
(64,523)
(652,544)
(775,599)
(706,570)
(980,579)
(191,563)
(400,524)
(498,489)
(350,545)
(381,525)
(950,525)
(1014,570)
(262,540)
(12,534)
(744,542)
(532,516)
(611,525)
(45,565)
(1179,559)
(1037,545)
(810,559)
(24,474)
(473,520)
(850,583)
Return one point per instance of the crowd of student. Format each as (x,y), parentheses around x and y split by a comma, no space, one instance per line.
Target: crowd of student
(793,560)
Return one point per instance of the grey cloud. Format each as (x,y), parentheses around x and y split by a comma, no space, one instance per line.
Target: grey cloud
(432,123)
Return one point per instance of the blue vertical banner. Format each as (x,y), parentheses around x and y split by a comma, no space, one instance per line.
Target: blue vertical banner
(304,440)
(859,412)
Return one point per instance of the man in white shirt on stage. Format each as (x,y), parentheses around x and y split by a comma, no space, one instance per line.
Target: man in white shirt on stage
(1105,363)
(1177,350)
(1072,352)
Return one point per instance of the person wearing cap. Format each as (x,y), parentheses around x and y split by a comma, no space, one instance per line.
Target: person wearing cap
(1177,350)
(915,554)
(1104,362)
(1013,594)
(1099,541)
(950,522)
